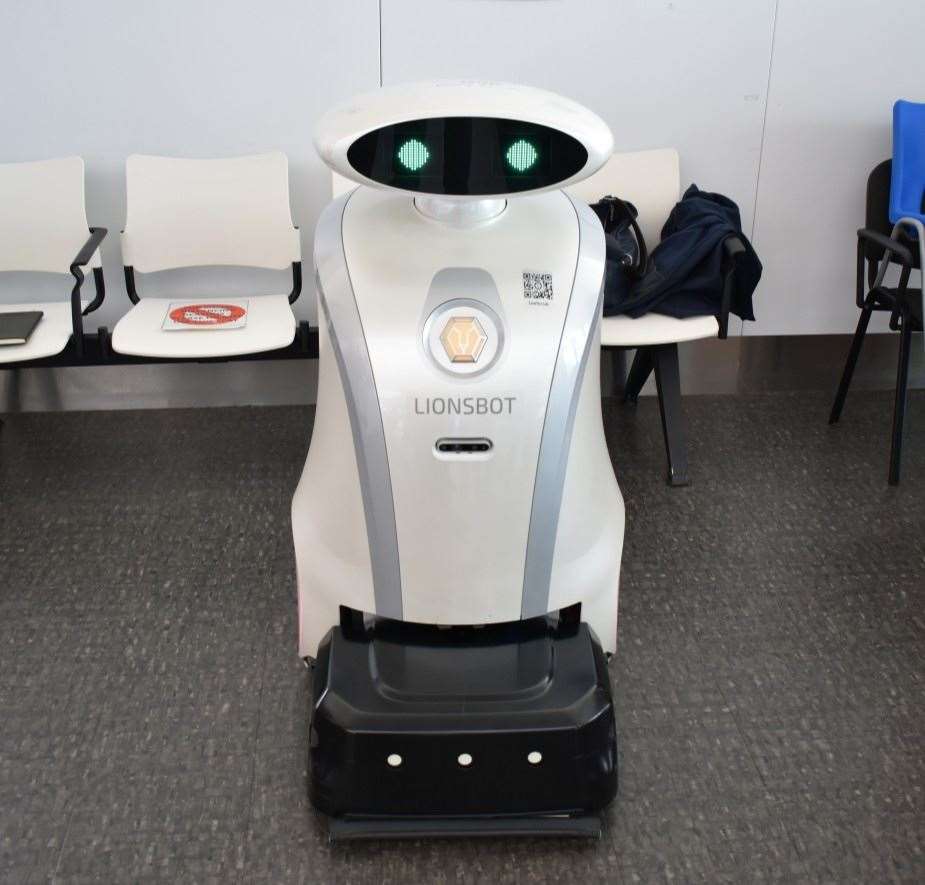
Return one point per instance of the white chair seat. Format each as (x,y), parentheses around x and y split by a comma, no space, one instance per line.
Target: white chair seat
(270,325)
(655,328)
(48,338)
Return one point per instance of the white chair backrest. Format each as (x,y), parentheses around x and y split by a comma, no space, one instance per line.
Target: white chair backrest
(650,180)
(43,220)
(189,213)
(340,185)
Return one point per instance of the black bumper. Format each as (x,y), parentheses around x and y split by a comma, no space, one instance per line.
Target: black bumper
(399,709)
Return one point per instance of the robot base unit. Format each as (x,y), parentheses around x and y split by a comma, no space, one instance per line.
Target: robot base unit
(501,730)
(458,508)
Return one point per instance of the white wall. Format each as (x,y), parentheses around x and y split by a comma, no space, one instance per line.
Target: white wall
(198,78)
(696,75)
(105,78)
(837,69)
(657,72)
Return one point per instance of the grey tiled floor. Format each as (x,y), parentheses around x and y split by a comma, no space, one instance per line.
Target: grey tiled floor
(769,676)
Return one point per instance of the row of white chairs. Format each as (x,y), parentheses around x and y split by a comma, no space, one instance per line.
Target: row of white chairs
(180,213)
(185,213)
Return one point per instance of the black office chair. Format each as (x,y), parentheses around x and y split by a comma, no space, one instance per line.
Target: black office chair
(903,304)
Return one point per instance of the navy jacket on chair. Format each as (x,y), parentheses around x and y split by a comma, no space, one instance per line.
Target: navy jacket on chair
(685,276)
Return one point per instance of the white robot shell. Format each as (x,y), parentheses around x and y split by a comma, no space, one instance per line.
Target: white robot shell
(449,512)
(458,473)
(342,127)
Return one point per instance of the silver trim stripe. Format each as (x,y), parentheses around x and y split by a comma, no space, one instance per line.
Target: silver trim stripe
(348,341)
(583,315)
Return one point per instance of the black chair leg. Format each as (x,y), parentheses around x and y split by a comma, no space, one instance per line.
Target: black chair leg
(643,364)
(902,389)
(668,381)
(613,371)
(850,363)
(617,371)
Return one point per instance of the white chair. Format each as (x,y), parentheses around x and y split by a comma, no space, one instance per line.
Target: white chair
(43,228)
(194,213)
(651,181)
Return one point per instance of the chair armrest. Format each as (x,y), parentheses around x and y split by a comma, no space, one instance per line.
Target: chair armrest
(80,260)
(733,247)
(296,281)
(86,252)
(894,247)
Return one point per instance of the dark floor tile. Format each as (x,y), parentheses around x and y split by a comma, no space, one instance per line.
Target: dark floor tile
(197,855)
(848,843)
(135,785)
(690,766)
(35,796)
(768,680)
(715,843)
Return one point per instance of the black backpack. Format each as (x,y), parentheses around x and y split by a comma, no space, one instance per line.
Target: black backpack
(627,256)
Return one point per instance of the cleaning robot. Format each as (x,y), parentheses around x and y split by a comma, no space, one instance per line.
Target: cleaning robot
(458,527)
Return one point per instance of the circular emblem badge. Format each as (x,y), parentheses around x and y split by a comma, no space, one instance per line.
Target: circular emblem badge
(463,337)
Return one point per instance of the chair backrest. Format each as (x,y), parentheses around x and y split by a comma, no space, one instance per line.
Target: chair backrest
(907,191)
(190,213)
(877,207)
(877,217)
(650,180)
(43,219)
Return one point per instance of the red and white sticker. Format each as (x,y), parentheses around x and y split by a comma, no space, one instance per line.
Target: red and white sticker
(207,315)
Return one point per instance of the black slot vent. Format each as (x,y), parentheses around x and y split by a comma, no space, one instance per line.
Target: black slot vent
(465,446)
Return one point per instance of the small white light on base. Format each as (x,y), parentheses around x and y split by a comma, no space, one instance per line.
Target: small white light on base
(464,759)
(534,757)
(394,760)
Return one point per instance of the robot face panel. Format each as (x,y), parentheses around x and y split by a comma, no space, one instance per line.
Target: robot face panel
(463,139)
(467,156)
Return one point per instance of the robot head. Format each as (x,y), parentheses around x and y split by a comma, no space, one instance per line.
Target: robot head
(463,139)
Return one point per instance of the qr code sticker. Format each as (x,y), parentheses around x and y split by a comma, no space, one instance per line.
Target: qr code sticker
(538,286)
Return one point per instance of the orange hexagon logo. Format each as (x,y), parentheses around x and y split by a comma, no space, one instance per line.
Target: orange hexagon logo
(463,339)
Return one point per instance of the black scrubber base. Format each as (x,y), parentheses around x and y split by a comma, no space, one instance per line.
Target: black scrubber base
(418,731)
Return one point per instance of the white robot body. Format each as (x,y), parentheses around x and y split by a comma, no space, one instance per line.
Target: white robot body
(458,527)
(467,492)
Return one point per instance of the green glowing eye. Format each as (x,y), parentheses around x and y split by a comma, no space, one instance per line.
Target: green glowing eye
(521,155)
(413,155)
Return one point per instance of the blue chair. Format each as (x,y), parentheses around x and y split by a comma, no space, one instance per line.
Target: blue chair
(894,234)
(907,187)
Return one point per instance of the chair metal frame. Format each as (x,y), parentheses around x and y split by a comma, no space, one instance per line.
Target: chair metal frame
(651,180)
(97,235)
(898,302)
(97,351)
(663,360)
